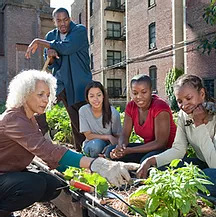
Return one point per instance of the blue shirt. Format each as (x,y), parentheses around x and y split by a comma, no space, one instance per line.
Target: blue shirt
(72,69)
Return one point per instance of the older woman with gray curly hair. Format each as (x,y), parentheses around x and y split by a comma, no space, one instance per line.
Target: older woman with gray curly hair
(30,93)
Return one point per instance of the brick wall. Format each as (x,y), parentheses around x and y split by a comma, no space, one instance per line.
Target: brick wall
(139,18)
(200,64)
(77,8)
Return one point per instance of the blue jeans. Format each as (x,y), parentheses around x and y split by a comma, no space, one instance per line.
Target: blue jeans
(210,172)
(135,157)
(94,147)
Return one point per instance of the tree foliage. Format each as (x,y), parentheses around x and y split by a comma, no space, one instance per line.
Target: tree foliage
(207,44)
(171,77)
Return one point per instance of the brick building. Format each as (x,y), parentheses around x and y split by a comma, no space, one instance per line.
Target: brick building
(197,63)
(106,24)
(160,35)
(20,23)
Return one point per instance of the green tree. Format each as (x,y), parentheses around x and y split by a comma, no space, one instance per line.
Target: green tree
(171,77)
(207,44)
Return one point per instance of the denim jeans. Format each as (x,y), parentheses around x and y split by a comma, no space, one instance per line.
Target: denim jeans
(210,172)
(135,157)
(19,190)
(94,147)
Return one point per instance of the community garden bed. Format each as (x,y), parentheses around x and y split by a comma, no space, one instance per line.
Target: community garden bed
(170,193)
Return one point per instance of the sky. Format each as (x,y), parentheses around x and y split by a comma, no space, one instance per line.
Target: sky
(62,3)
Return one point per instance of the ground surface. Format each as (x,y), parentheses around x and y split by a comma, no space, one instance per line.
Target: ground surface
(40,210)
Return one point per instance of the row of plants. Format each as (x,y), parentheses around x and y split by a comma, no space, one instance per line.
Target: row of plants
(169,193)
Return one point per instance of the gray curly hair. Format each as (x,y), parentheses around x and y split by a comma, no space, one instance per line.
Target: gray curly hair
(24,84)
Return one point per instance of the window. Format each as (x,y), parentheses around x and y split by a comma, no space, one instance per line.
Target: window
(153,76)
(152,36)
(92,62)
(151,3)
(209,85)
(114,87)
(113,57)
(91,35)
(113,30)
(1,34)
(114,4)
(80,18)
(91,7)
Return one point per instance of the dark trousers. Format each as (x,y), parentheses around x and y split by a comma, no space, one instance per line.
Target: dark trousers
(19,190)
(73,112)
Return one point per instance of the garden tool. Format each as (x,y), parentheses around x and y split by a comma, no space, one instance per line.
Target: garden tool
(79,185)
(46,64)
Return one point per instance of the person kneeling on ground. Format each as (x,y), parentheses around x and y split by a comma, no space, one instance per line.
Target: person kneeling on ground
(99,122)
(196,126)
(31,92)
(152,120)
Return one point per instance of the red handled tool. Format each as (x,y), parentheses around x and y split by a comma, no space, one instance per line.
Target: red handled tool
(82,186)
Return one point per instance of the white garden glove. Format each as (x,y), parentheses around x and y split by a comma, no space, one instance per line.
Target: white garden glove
(115,172)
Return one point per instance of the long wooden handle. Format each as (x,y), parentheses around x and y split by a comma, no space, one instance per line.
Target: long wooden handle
(46,63)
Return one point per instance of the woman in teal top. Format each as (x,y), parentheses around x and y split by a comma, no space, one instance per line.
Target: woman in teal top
(31,92)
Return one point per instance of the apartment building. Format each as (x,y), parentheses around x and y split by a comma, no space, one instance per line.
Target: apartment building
(148,36)
(20,23)
(195,28)
(107,37)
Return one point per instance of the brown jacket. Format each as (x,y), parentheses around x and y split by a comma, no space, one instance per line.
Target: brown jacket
(21,140)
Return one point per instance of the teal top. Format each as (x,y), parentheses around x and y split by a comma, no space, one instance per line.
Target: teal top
(70,158)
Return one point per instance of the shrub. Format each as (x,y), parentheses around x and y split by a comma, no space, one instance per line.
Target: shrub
(171,77)
(171,193)
(2,108)
(59,123)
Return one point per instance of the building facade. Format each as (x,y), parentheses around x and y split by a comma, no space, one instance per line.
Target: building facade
(155,37)
(20,23)
(195,28)
(107,37)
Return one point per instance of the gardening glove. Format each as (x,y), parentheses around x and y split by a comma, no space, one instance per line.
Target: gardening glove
(115,172)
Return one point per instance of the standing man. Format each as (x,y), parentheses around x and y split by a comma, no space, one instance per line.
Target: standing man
(68,49)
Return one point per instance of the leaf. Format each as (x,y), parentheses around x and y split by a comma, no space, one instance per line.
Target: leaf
(175,162)
(153,204)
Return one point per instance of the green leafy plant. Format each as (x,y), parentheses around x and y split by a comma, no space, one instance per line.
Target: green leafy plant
(2,108)
(171,77)
(133,137)
(209,43)
(171,193)
(81,175)
(59,123)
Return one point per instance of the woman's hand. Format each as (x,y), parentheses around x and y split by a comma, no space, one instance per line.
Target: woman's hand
(142,172)
(118,152)
(115,172)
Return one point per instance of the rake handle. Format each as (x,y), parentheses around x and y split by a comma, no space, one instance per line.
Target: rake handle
(46,64)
